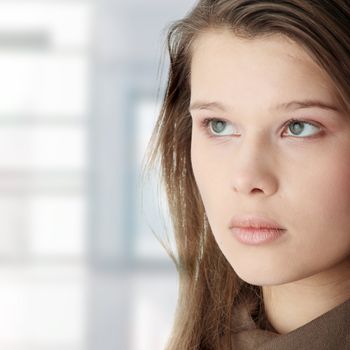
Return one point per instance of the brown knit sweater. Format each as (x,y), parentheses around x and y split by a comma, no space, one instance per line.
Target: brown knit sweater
(330,331)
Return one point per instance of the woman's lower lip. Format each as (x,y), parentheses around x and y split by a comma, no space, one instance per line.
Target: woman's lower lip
(253,236)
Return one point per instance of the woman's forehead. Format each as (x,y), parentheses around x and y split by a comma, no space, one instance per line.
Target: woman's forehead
(220,60)
(221,43)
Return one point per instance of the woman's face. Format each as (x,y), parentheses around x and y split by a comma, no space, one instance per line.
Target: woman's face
(255,163)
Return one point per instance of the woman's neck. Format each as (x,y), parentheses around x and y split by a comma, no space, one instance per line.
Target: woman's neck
(292,305)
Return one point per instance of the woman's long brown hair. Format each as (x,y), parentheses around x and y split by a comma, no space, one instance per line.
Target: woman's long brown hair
(210,292)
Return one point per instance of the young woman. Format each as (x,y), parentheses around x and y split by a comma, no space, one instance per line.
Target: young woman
(254,145)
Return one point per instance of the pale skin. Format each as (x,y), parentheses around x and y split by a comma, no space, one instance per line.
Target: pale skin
(257,164)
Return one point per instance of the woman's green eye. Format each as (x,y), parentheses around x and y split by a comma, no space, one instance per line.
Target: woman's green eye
(215,127)
(296,127)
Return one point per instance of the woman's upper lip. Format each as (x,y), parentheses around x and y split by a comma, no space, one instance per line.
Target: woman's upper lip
(254,221)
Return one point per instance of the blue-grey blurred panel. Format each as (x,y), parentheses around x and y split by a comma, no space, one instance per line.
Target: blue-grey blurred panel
(128,40)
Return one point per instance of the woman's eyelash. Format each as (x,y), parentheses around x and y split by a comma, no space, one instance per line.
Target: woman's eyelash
(206,122)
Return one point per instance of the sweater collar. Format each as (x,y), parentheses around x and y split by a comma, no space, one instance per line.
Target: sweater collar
(328,331)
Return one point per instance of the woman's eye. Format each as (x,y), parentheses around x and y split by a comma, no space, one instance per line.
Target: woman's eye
(215,127)
(298,128)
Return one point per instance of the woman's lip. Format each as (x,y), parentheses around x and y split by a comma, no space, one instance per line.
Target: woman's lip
(255,228)
(254,236)
(256,221)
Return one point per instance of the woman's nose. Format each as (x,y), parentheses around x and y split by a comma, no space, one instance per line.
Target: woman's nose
(253,169)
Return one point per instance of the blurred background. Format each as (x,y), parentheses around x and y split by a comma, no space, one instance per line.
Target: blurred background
(81,83)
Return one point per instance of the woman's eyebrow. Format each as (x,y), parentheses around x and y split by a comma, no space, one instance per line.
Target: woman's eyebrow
(292,105)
